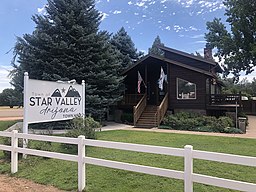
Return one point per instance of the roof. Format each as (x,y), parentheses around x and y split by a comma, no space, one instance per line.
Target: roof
(191,56)
(168,61)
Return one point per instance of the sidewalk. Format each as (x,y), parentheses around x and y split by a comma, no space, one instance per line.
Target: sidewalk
(251,128)
(250,133)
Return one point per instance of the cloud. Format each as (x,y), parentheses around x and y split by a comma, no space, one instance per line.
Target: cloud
(197,36)
(168,28)
(163,1)
(42,10)
(200,6)
(117,12)
(250,76)
(4,83)
(140,4)
(103,15)
(177,28)
(196,42)
(192,28)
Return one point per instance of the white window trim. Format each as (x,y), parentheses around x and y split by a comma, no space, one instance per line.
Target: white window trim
(177,91)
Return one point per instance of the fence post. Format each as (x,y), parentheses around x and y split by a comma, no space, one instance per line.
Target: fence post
(188,168)
(81,164)
(14,153)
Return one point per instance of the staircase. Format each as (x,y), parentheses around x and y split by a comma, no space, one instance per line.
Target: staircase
(148,117)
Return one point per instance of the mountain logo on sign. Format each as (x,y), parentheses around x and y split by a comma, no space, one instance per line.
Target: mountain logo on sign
(56,93)
(72,92)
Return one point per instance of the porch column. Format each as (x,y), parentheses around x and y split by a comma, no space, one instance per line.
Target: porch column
(146,77)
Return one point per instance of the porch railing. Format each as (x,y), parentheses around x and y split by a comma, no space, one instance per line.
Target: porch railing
(224,99)
(132,99)
(139,108)
(161,110)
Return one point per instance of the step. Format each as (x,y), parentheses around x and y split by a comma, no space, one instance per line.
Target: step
(145,126)
(146,122)
(147,118)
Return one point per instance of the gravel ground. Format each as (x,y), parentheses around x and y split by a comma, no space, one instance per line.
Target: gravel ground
(13,184)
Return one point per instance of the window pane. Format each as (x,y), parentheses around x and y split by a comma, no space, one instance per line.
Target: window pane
(186,89)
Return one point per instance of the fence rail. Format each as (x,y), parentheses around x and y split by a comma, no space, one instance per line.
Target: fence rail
(188,153)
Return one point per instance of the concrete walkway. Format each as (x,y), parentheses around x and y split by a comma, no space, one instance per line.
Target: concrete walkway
(250,133)
(251,128)
(108,127)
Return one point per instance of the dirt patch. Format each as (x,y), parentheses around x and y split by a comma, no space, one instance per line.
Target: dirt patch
(6,112)
(13,184)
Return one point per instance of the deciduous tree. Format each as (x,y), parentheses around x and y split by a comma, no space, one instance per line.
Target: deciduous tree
(236,46)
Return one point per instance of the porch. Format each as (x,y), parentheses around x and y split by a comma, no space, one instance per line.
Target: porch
(148,115)
(226,102)
(144,113)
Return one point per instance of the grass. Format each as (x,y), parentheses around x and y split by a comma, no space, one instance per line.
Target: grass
(63,174)
(9,108)
(6,124)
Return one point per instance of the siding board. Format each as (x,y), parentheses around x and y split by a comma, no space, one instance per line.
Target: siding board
(191,76)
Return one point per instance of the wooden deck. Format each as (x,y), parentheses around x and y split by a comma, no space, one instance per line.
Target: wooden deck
(224,102)
(223,106)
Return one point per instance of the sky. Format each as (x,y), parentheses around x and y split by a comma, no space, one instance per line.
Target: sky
(181,24)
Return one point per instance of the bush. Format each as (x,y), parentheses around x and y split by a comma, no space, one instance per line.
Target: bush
(127,118)
(86,127)
(80,126)
(7,154)
(51,125)
(195,122)
(232,130)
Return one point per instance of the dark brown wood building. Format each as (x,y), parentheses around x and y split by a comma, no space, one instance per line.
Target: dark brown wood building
(190,83)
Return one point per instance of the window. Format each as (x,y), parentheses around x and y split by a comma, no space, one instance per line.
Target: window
(185,89)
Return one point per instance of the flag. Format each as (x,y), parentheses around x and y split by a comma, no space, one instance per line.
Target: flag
(139,81)
(161,79)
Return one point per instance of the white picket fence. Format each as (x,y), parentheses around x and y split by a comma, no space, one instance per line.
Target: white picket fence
(188,153)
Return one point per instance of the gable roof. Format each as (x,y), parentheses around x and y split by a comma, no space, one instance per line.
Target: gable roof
(213,63)
(168,61)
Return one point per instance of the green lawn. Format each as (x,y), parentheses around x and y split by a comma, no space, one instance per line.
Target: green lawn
(6,124)
(63,174)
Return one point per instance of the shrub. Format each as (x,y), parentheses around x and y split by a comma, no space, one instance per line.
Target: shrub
(86,127)
(195,122)
(51,125)
(7,154)
(232,130)
(80,126)
(127,118)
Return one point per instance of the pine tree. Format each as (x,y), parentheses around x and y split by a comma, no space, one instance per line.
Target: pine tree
(123,42)
(66,44)
(155,47)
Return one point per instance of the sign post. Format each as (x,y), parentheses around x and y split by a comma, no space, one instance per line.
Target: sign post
(25,112)
(84,99)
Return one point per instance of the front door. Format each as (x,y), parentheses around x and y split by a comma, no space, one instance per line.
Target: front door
(152,93)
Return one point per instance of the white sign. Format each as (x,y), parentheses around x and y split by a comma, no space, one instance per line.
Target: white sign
(52,101)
